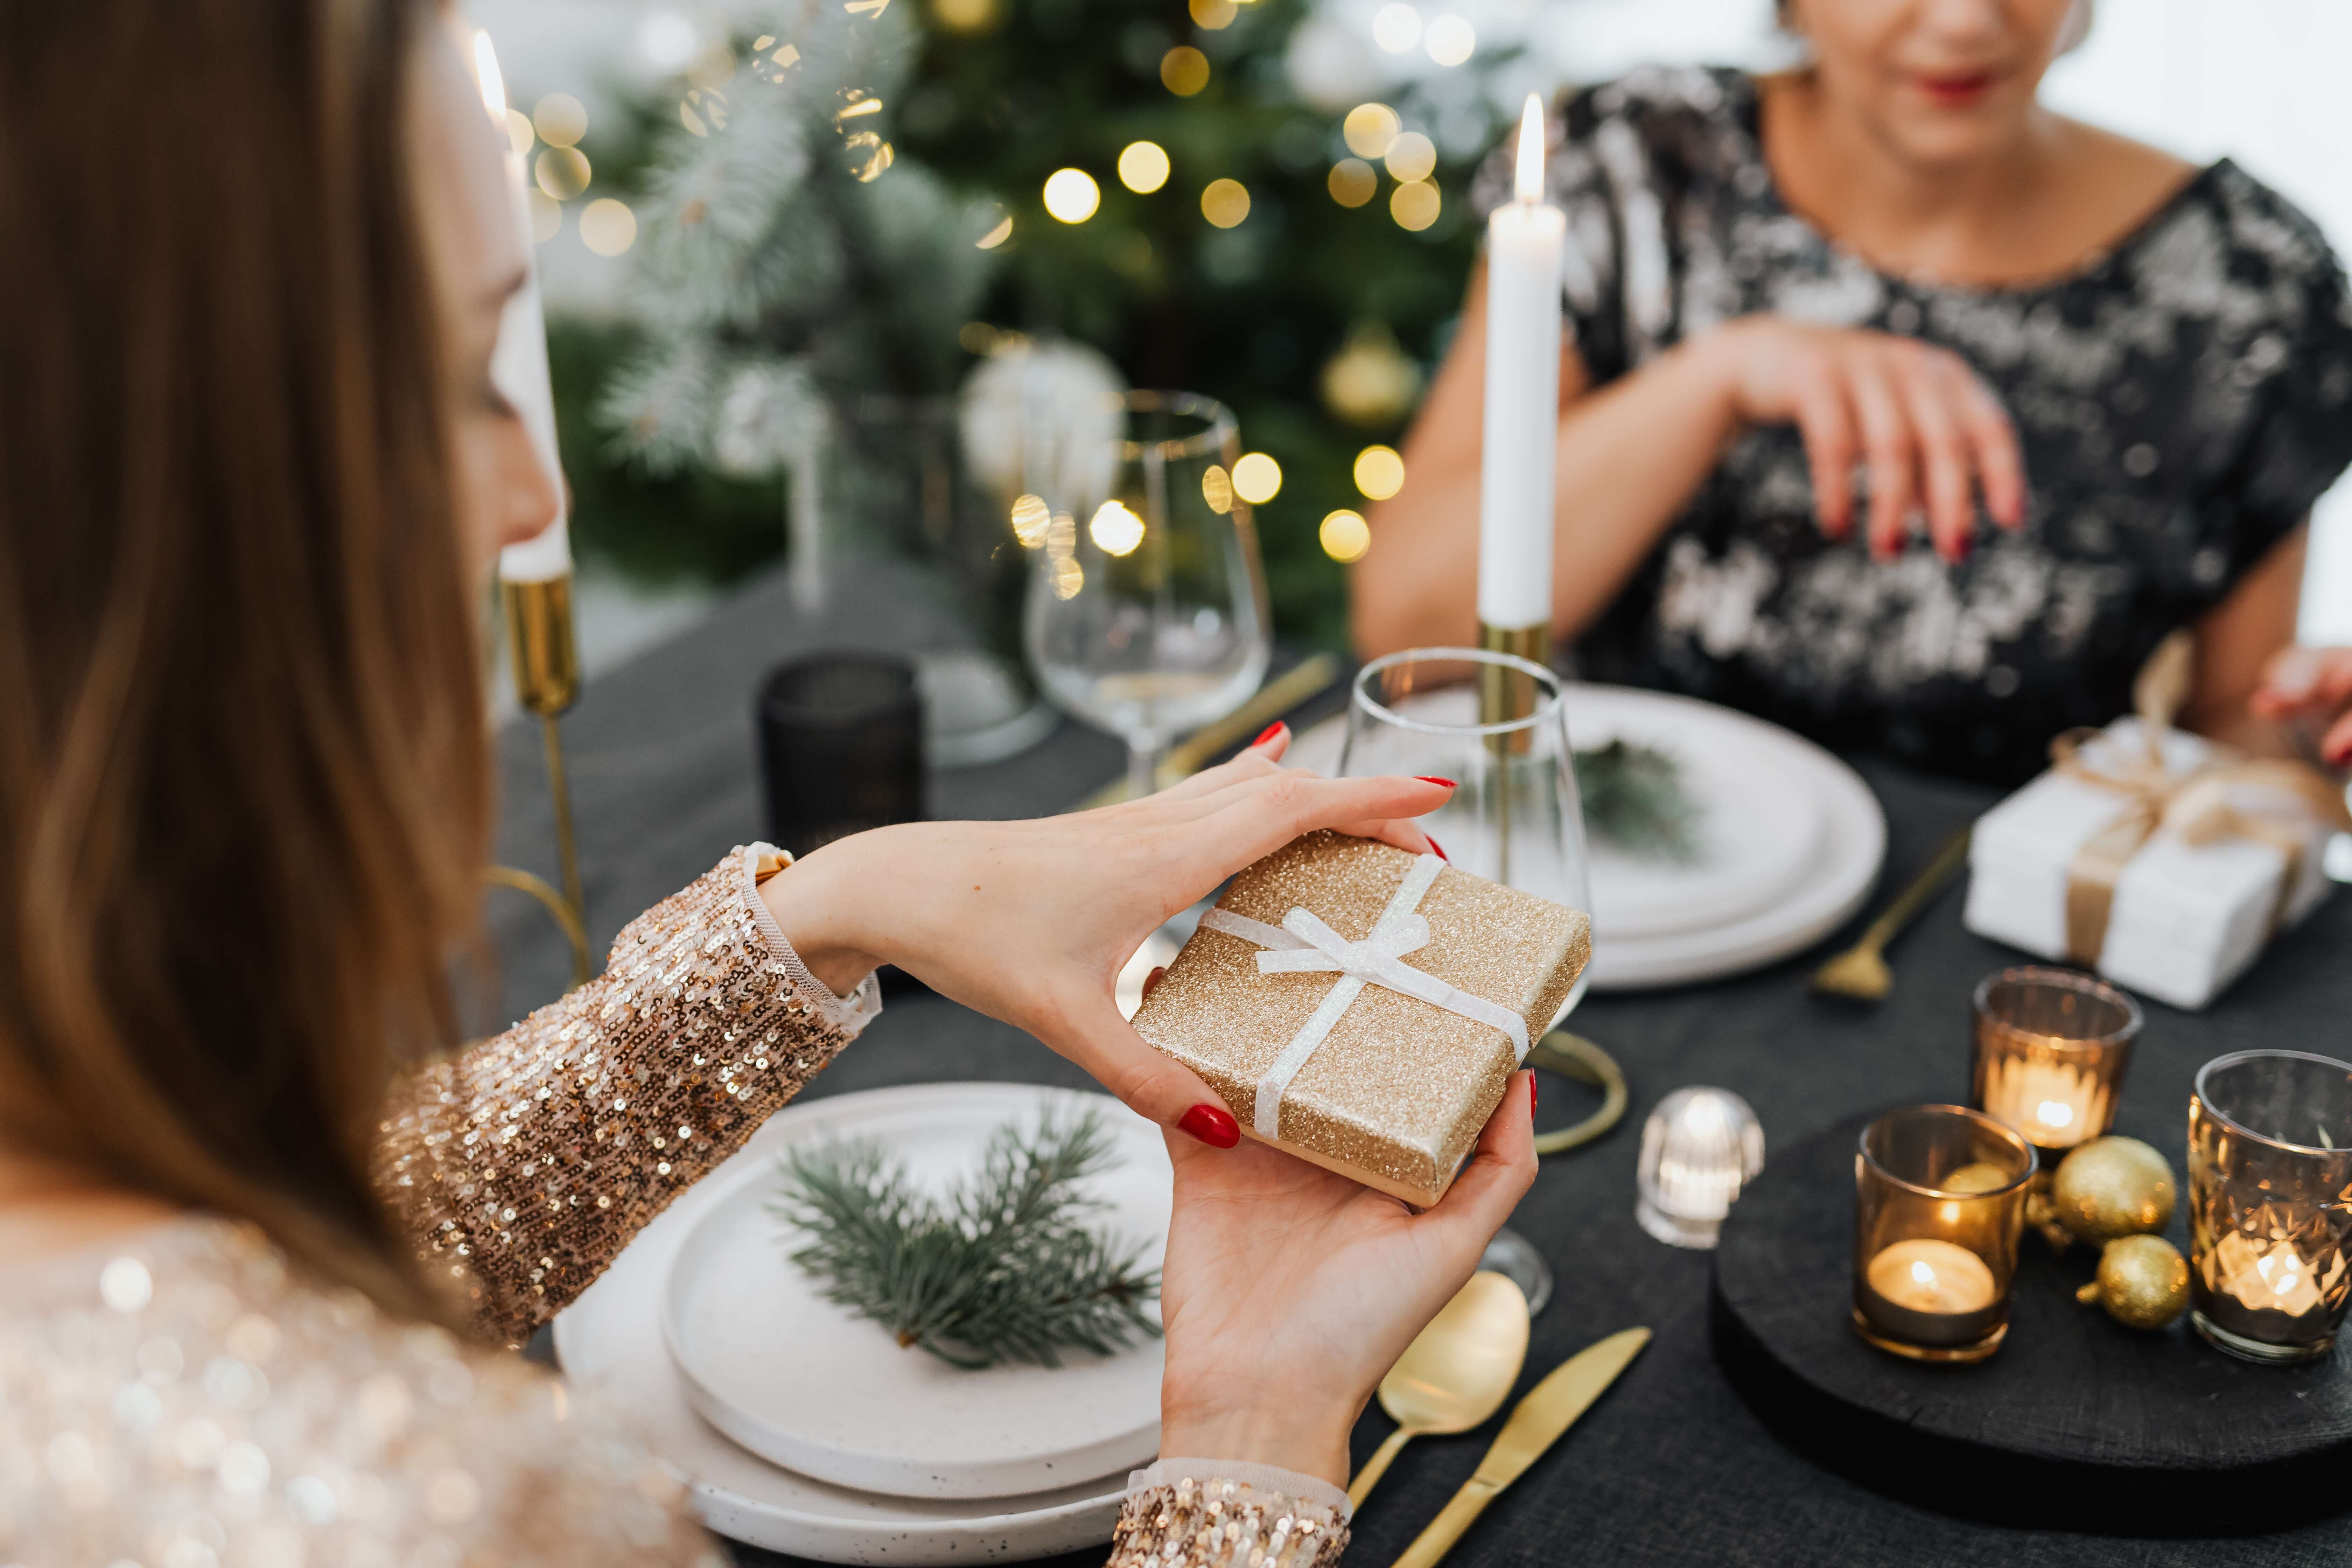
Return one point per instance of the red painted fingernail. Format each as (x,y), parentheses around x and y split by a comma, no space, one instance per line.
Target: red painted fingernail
(1443,784)
(1268,734)
(1436,848)
(1532,1092)
(1159,973)
(1211,1125)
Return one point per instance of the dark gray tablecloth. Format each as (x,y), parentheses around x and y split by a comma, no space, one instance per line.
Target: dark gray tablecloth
(1670,1467)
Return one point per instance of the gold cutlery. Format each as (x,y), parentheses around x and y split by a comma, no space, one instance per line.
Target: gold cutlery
(1294,686)
(1536,1424)
(1861,971)
(1455,1373)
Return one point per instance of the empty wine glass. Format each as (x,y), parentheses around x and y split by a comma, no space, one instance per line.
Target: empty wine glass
(1146,614)
(1514,816)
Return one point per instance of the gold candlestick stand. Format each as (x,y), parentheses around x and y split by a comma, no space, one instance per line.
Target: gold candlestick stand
(1505,695)
(546,663)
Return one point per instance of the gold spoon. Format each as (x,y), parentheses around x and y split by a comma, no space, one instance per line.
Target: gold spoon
(1861,971)
(1455,1373)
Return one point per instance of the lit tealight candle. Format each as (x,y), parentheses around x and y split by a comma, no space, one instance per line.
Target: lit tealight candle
(1924,1291)
(2056,1106)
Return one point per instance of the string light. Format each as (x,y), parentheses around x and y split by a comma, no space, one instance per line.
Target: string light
(1072,196)
(1031,517)
(1412,157)
(1217,489)
(560,119)
(1225,202)
(1397,28)
(562,172)
(519,135)
(1451,40)
(1184,70)
(1414,206)
(1143,167)
(607,226)
(1114,529)
(1257,478)
(1213,14)
(1379,472)
(1370,128)
(1345,536)
(1353,182)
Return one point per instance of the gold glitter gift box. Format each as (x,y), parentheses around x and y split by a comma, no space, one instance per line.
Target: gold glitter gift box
(1394,1094)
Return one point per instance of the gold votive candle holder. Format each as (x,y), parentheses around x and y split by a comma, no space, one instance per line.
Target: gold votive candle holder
(1939,1201)
(2052,1048)
(2269,1203)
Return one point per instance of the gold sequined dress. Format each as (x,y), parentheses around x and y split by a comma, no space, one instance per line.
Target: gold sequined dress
(184,1398)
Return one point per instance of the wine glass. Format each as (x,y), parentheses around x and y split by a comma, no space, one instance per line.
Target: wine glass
(1145,612)
(1514,816)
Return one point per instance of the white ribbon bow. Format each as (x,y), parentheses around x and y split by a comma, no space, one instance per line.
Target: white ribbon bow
(1304,944)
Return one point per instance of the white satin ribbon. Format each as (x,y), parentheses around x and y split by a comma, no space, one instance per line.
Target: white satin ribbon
(1304,944)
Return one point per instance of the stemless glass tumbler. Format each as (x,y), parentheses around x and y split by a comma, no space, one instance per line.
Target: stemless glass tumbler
(1514,816)
(2269,1203)
(2052,1047)
(1939,1197)
(1147,611)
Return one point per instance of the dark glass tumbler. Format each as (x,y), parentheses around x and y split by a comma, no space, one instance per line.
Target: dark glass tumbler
(840,747)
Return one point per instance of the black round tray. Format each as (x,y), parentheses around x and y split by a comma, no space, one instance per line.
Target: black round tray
(2076,1422)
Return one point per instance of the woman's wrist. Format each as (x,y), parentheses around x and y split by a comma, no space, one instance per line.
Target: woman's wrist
(1287,1434)
(816,902)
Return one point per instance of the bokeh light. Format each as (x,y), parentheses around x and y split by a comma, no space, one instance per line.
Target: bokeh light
(1225,202)
(1370,128)
(1451,40)
(1217,489)
(998,233)
(1345,536)
(1379,472)
(1184,70)
(1213,14)
(562,172)
(1412,157)
(1396,27)
(1353,182)
(560,119)
(1030,514)
(965,16)
(1257,478)
(519,134)
(1072,196)
(1414,206)
(1114,529)
(546,217)
(607,228)
(1143,167)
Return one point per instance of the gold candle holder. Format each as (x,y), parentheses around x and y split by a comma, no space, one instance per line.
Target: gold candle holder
(2269,1164)
(545,659)
(1505,695)
(1939,1200)
(2051,1048)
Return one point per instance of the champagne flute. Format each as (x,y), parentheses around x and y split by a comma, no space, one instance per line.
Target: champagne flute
(1147,613)
(1514,816)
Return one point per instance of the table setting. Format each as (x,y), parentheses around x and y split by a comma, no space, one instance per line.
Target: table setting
(1905,1263)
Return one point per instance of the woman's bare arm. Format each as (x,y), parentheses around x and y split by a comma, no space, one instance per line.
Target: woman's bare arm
(2236,644)
(1930,433)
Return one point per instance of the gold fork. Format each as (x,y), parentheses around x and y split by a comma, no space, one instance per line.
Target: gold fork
(1861,971)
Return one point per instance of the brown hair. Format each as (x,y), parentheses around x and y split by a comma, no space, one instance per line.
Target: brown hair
(243,786)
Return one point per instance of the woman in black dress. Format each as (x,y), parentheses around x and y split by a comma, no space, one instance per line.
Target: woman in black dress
(1902,411)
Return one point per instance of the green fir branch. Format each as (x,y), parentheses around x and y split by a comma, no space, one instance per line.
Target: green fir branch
(1634,800)
(1005,1266)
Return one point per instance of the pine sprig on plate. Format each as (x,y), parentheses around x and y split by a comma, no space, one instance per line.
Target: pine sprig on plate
(1004,1267)
(1634,800)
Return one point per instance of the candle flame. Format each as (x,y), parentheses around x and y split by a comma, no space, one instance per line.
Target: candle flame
(1529,184)
(2057,1113)
(493,82)
(1922,1273)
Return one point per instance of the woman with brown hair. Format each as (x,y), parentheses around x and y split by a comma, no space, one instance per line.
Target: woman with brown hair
(1901,410)
(261,1222)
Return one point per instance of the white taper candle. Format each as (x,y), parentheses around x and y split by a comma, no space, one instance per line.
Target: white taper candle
(1525,241)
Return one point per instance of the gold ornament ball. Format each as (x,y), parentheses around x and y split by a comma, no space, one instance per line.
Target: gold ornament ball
(2143,1282)
(2113,1186)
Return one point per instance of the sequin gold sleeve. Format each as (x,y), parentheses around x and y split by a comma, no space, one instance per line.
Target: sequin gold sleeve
(526,1164)
(1219,1523)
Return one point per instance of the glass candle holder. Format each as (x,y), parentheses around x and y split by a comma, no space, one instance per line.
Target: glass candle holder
(1699,1148)
(1939,1198)
(2269,1203)
(2052,1045)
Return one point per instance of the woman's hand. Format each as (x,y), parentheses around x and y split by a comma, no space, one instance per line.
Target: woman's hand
(2311,686)
(1289,1292)
(1031,921)
(1930,433)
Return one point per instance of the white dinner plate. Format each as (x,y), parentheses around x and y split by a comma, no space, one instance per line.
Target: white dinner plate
(1797,836)
(817,1389)
(610,1344)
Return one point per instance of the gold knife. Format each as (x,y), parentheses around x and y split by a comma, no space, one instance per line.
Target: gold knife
(1536,1424)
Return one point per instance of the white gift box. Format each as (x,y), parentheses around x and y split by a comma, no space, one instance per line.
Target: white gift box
(2186,919)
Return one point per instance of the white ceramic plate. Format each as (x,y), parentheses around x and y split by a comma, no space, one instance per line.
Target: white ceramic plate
(1795,840)
(610,1344)
(813,1387)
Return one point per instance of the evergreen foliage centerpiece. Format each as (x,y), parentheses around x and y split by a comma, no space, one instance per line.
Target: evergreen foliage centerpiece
(1009,1265)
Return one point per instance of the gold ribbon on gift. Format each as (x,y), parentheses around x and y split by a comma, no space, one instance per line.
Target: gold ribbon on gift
(2196,805)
